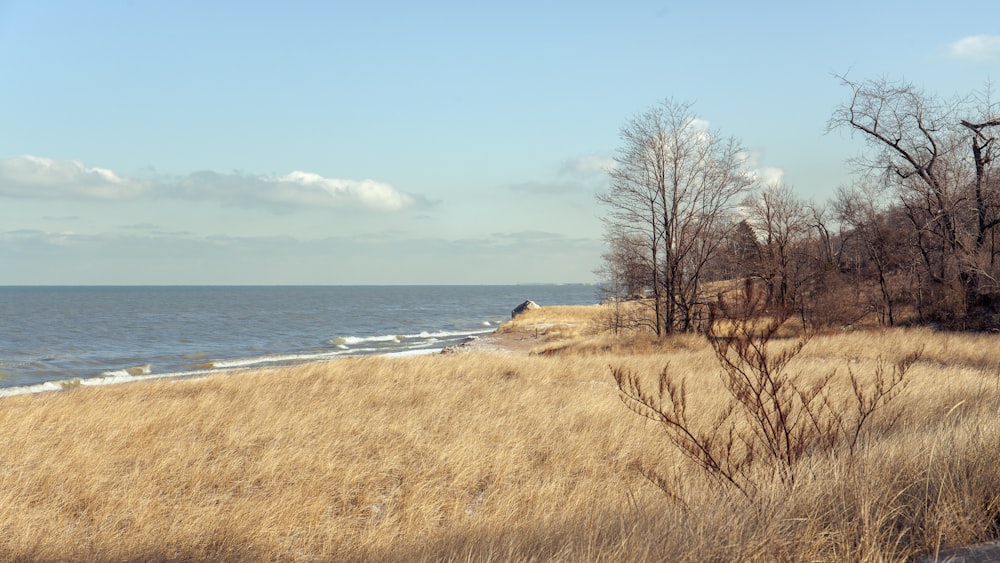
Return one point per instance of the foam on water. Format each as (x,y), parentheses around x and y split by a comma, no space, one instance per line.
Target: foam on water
(417,344)
(278,358)
(435,336)
(409,353)
(353,340)
(133,371)
(28,389)
(110,378)
(53,338)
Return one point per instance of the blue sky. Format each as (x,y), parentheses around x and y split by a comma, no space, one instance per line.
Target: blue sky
(389,142)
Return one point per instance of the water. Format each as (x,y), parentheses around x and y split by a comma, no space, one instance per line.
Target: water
(51,335)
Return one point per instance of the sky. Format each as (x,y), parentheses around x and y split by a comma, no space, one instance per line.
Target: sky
(163,143)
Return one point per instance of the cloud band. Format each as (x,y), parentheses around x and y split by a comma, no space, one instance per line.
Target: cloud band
(33,177)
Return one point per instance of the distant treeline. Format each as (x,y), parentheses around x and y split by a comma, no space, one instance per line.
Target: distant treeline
(911,240)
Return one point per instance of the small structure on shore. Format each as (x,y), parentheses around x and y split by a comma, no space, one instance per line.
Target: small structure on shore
(526,306)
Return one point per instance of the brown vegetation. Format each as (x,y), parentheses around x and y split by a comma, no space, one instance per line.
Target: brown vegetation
(912,240)
(493,456)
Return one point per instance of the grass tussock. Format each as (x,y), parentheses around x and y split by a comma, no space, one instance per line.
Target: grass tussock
(644,343)
(581,330)
(555,322)
(489,456)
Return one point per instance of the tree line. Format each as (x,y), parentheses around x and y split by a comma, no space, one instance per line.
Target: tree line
(912,239)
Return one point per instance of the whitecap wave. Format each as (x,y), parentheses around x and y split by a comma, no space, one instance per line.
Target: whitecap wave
(29,389)
(354,340)
(409,353)
(107,378)
(424,344)
(278,358)
(444,334)
(403,345)
(347,341)
(133,371)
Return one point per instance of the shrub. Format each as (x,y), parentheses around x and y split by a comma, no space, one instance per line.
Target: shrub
(772,416)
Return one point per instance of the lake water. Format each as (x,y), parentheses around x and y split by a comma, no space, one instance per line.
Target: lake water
(50,335)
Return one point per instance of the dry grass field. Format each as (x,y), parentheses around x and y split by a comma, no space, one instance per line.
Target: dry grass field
(492,456)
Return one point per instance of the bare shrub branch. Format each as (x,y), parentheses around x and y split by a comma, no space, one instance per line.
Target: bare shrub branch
(774,416)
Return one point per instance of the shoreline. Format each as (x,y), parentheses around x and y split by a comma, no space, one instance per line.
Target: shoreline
(510,342)
(507,342)
(466,453)
(516,336)
(64,333)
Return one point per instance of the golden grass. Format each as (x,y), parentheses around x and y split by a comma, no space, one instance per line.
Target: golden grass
(554,322)
(486,456)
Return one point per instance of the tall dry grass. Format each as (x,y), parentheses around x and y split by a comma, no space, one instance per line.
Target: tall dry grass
(486,456)
(558,322)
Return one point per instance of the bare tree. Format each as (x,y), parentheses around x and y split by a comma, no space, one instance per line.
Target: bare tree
(984,152)
(863,208)
(630,259)
(627,275)
(781,221)
(817,220)
(921,147)
(632,202)
(676,183)
(739,256)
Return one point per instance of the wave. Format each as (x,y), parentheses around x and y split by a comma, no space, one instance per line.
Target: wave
(280,358)
(137,370)
(409,353)
(447,334)
(352,340)
(436,336)
(108,378)
(403,345)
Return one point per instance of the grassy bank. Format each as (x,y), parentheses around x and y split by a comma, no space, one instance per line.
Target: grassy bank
(489,456)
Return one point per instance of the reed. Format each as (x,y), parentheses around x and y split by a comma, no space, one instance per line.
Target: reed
(491,456)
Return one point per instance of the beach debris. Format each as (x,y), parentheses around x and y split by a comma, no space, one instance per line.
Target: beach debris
(526,306)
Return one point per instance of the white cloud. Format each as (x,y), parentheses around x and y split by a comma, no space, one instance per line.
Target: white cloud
(535,238)
(44,178)
(978,47)
(768,175)
(764,175)
(588,165)
(293,191)
(546,188)
(304,188)
(700,124)
(582,175)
